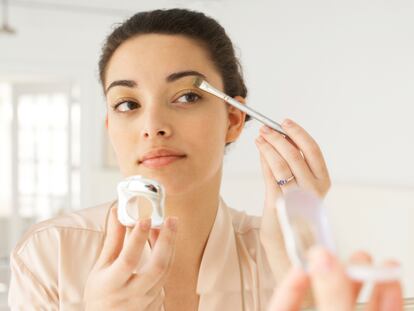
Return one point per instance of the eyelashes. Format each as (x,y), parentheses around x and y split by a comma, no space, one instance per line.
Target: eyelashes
(191,95)
(129,104)
(125,106)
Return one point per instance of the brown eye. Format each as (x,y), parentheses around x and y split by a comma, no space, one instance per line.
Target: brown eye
(126,106)
(189,98)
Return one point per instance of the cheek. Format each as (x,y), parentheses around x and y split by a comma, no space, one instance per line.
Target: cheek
(208,132)
(123,143)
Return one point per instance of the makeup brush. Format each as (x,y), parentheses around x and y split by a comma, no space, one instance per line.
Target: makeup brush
(203,85)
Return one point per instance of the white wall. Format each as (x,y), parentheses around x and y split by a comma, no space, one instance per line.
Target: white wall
(343,69)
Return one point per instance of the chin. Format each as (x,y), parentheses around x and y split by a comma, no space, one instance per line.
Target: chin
(174,185)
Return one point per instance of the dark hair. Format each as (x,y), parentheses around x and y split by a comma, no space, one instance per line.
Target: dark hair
(194,25)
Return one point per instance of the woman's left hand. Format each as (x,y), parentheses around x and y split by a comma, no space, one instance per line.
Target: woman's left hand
(281,157)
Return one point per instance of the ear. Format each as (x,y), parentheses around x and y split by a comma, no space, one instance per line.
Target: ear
(236,119)
(106,121)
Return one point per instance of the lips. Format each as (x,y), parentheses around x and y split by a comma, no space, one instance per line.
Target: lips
(160,157)
(160,161)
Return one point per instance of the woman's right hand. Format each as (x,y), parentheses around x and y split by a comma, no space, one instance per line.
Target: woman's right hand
(332,288)
(114,283)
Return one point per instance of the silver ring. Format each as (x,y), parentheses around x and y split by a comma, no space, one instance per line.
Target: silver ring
(285,181)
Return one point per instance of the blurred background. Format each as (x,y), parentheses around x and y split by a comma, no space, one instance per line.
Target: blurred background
(342,69)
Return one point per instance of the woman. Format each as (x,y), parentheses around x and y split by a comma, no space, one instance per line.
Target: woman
(207,256)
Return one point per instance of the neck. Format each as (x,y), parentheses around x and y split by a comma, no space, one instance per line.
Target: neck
(196,212)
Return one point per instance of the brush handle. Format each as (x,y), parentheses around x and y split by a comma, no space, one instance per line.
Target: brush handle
(249,111)
(256,115)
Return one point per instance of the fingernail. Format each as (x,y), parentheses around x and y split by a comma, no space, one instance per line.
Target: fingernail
(172,223)
(320,260)
(145,224)
(287,122)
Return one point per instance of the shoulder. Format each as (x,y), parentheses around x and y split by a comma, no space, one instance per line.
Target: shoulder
(86,222)
(56,252)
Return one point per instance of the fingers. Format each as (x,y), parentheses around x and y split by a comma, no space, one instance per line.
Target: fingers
(154,233)
(386,296)
(359,258)
(309,147)
(130,255)
(272,188)
(289,295)
(277,166)
(114,239)
(285,159)
(392,297)
(153,273)
(297,155)
(332,288)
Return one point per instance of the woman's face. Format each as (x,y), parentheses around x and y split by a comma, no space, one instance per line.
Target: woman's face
(152,104)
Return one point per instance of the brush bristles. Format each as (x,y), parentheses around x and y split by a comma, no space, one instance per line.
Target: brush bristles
(198,81)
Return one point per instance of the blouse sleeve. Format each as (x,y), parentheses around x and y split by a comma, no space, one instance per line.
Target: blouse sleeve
(33,283)
(25,291)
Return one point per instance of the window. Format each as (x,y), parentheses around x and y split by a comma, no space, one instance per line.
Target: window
(39,157)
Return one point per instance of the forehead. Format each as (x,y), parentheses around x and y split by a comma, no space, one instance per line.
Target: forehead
(155,56)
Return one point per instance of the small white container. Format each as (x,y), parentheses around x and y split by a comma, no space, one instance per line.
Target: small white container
(140,198)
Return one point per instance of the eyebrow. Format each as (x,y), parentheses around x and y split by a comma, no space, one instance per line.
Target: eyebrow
(170,78)
(126,83)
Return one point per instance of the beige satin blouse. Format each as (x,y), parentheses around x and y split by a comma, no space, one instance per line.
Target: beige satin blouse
(50,265)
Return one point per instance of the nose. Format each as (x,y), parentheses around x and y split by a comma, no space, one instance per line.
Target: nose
(155,124)
(154,133)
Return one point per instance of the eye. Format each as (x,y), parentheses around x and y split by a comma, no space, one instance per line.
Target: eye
(189,97)
(126,106)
